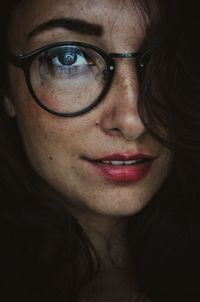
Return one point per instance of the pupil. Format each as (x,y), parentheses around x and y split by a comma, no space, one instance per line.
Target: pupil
(68,59)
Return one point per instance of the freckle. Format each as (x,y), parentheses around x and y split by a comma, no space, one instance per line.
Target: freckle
(50,157)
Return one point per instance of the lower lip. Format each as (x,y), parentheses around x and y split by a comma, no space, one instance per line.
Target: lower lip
(123,173)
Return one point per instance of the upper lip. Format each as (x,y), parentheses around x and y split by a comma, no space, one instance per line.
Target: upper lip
(123,157)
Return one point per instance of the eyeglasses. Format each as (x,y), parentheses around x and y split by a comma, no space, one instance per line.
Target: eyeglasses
(70,78)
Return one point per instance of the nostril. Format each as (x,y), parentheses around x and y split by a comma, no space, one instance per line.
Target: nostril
(115,129)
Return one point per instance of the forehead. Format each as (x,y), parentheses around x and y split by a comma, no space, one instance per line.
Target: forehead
(115,16)
(74,6)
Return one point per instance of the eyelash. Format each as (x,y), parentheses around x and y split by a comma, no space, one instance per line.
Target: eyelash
(72,69)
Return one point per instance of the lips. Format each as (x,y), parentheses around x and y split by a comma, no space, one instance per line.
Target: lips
(123,157)
(123,167)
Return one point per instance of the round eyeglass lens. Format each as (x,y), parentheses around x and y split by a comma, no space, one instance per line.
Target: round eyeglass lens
(68,78)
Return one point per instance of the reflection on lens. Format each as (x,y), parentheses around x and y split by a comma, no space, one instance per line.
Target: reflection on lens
(68,78)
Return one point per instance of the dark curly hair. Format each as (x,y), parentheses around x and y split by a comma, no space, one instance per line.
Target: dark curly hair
(45,255)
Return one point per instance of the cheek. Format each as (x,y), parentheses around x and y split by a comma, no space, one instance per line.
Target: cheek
(49,141)
(48,145)
(40,131)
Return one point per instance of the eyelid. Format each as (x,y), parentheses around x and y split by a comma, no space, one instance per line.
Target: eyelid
(55,51)
(52,53)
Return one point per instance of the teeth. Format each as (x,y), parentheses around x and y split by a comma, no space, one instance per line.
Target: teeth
(130,162)
(117,163)
(105,161)
(120,163)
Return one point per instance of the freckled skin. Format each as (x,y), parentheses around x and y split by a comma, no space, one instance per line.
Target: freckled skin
(55,145)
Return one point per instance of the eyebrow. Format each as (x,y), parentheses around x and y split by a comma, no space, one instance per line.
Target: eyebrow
(72,24)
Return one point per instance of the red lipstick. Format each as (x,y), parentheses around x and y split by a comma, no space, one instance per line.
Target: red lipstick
(124,156)
(123,167)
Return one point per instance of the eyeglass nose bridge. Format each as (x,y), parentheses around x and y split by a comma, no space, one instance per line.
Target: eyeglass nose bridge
(125,55)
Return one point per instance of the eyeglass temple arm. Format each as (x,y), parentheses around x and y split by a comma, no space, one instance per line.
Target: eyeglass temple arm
(17,61)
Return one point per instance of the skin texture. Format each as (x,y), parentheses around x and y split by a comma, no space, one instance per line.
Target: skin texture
(55,146)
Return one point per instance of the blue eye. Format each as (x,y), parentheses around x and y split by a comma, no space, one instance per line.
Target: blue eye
(69,62)
(66,56)
(65,60)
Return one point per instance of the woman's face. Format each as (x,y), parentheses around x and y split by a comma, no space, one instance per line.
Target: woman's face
(67,152)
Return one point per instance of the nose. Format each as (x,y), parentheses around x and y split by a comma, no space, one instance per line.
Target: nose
(120,108)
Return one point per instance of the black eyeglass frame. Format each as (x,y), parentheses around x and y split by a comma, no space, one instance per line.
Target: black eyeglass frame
(25,61)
